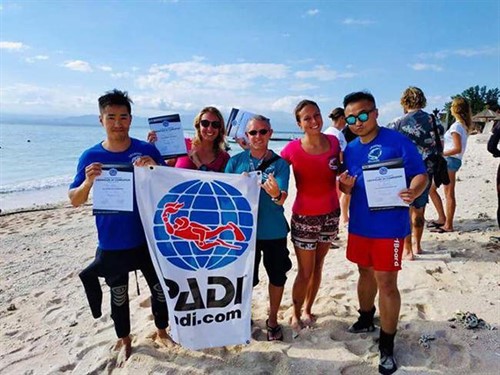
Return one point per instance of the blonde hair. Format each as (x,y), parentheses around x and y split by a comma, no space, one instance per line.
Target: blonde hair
(460,109)
(413,98)
(219,142)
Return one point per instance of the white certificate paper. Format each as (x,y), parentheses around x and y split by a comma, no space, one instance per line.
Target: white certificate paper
(170,135)
(383,182)
(113,190)
(237,123)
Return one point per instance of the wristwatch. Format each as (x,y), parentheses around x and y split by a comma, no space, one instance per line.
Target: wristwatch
(278,198)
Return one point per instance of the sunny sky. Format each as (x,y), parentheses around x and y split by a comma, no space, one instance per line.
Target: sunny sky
(57,57)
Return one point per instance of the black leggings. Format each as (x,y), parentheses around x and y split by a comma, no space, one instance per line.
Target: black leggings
(114,266)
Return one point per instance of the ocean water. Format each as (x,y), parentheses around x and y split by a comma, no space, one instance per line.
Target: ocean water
(38,161)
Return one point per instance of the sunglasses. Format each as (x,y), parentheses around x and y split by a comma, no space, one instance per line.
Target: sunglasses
(261,132)
(362,117)
(214,124)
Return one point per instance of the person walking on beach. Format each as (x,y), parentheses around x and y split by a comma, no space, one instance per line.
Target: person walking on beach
(417,125)
(121,240)
(375,238)
(455,142)
(493,149)
(315,212)
(206,150)
(272,227)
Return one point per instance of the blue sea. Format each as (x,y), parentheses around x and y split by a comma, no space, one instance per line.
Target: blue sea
(38,161)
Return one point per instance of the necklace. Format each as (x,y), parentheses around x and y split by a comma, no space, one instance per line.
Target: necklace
(253,167)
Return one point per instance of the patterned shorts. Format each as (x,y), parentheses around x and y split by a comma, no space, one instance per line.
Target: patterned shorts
(307,230)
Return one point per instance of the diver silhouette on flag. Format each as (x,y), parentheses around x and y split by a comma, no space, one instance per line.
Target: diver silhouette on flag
(204,237)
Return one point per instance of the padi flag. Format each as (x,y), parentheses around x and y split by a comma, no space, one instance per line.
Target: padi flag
(201,232)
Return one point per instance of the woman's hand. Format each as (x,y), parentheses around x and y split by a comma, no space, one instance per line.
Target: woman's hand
(152,137)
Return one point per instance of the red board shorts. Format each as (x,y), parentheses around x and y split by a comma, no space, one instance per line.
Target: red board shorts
(381,254)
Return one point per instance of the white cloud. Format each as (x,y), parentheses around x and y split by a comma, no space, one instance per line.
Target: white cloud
(303,86)
(33,59)
(323,73)
(312,12)
(105,68)
(286,103)
(464,52)
(78,65)
(47,100)
(13,46)
(120,75)
(422,66)
(354,21)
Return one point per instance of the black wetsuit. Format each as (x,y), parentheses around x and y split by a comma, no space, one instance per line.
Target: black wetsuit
(114,266)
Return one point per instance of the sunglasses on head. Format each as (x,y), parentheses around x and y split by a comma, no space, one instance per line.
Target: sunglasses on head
(261,132)
(362,117)
(213,124)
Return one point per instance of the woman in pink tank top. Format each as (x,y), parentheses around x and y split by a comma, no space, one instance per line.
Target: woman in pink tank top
(206,150)
(315,212)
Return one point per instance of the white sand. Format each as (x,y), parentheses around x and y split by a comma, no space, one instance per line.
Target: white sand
(46,325)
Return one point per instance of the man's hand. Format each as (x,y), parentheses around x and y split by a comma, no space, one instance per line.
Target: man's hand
(408,195)
(271,186)
(346,182)
(91,172)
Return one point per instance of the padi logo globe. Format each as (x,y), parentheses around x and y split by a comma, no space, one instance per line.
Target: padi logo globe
(201,224)
(383,171)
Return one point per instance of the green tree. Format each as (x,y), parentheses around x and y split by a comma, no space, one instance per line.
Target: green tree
(479,98)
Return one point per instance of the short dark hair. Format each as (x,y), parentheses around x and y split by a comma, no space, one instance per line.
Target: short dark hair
(357,97)
(115,97)
(336,113)
(301,105)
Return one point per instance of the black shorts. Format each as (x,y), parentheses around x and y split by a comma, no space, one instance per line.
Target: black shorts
(276,261)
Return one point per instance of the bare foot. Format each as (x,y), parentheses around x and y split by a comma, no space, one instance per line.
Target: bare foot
(408,256)
(296,325)
(308,319)
(126,344)
(162,337)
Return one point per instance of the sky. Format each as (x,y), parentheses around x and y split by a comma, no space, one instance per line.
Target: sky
(58,57)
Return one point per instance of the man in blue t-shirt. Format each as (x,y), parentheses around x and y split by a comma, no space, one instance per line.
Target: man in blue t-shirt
(375,240)
(121,240)
(272,227)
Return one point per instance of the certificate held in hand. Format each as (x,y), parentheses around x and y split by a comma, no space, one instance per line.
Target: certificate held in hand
(113,190)
(383,183)
(169,135)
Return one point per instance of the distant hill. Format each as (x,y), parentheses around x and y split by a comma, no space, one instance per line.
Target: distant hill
(281,121)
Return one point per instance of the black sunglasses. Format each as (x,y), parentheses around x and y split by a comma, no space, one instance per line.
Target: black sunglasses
(261,132)
(214,124)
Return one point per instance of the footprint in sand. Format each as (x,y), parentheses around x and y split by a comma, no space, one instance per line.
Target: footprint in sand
(421,311)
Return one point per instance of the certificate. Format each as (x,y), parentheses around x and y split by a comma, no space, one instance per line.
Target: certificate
(169,135)
(237,123)
(383,183)
(113,190)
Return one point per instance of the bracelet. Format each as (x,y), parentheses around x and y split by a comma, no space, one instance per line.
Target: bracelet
(278,198)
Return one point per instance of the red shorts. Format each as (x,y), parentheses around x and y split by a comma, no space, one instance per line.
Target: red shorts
(382,254)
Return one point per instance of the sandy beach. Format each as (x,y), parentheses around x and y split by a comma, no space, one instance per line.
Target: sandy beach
(46,326)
